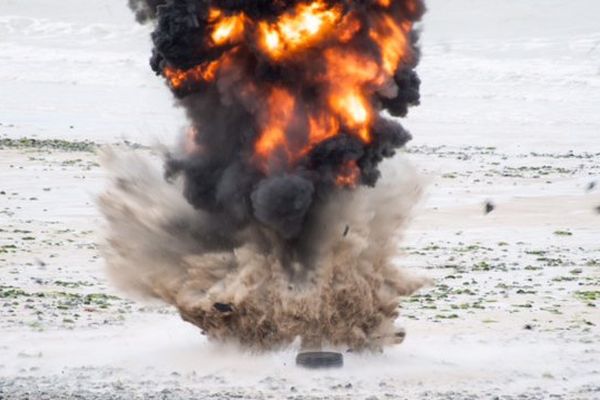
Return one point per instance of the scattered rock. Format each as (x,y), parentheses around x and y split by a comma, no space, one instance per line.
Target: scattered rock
(489,207)
(563,233)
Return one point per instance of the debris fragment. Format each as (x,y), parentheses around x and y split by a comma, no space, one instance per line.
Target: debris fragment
(591,186)
(222,307)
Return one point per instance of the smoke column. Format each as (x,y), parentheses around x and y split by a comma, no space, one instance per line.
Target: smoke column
(263,227)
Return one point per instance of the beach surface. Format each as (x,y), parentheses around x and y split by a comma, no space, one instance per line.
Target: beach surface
(509,118)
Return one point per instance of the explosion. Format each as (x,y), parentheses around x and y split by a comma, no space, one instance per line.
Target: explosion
(277,234)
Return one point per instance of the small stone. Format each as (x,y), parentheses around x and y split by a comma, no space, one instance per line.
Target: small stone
(489,207)
(528,327)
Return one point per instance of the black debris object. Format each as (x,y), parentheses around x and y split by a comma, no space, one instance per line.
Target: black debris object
(346,230)
(591,186)
(222,307)
(489,207)
(320,359)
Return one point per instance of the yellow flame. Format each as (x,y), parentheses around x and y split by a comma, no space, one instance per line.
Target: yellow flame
(354,111)
(301,28)
(269,38)
(227,29)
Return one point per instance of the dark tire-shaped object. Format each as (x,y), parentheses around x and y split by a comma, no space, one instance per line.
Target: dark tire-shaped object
(319,359)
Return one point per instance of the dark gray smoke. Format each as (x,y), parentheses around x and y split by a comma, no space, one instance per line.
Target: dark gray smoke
(224,178)
(281,202)
(276,203)
(144,10)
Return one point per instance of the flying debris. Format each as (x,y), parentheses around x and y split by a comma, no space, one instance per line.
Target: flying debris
(489,207)
(346,230)
(591,186)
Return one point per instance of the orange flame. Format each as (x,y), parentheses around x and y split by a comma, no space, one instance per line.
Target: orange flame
(280,109)
(214,14)
(321,128)
(348,73)
(349,26)
(349,77)
(203,72)
(392,40)
(355,112)
(348,175)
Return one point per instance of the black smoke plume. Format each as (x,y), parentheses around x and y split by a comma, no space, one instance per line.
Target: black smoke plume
(275,201)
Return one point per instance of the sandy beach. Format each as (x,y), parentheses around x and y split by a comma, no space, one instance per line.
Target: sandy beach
(509,117)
